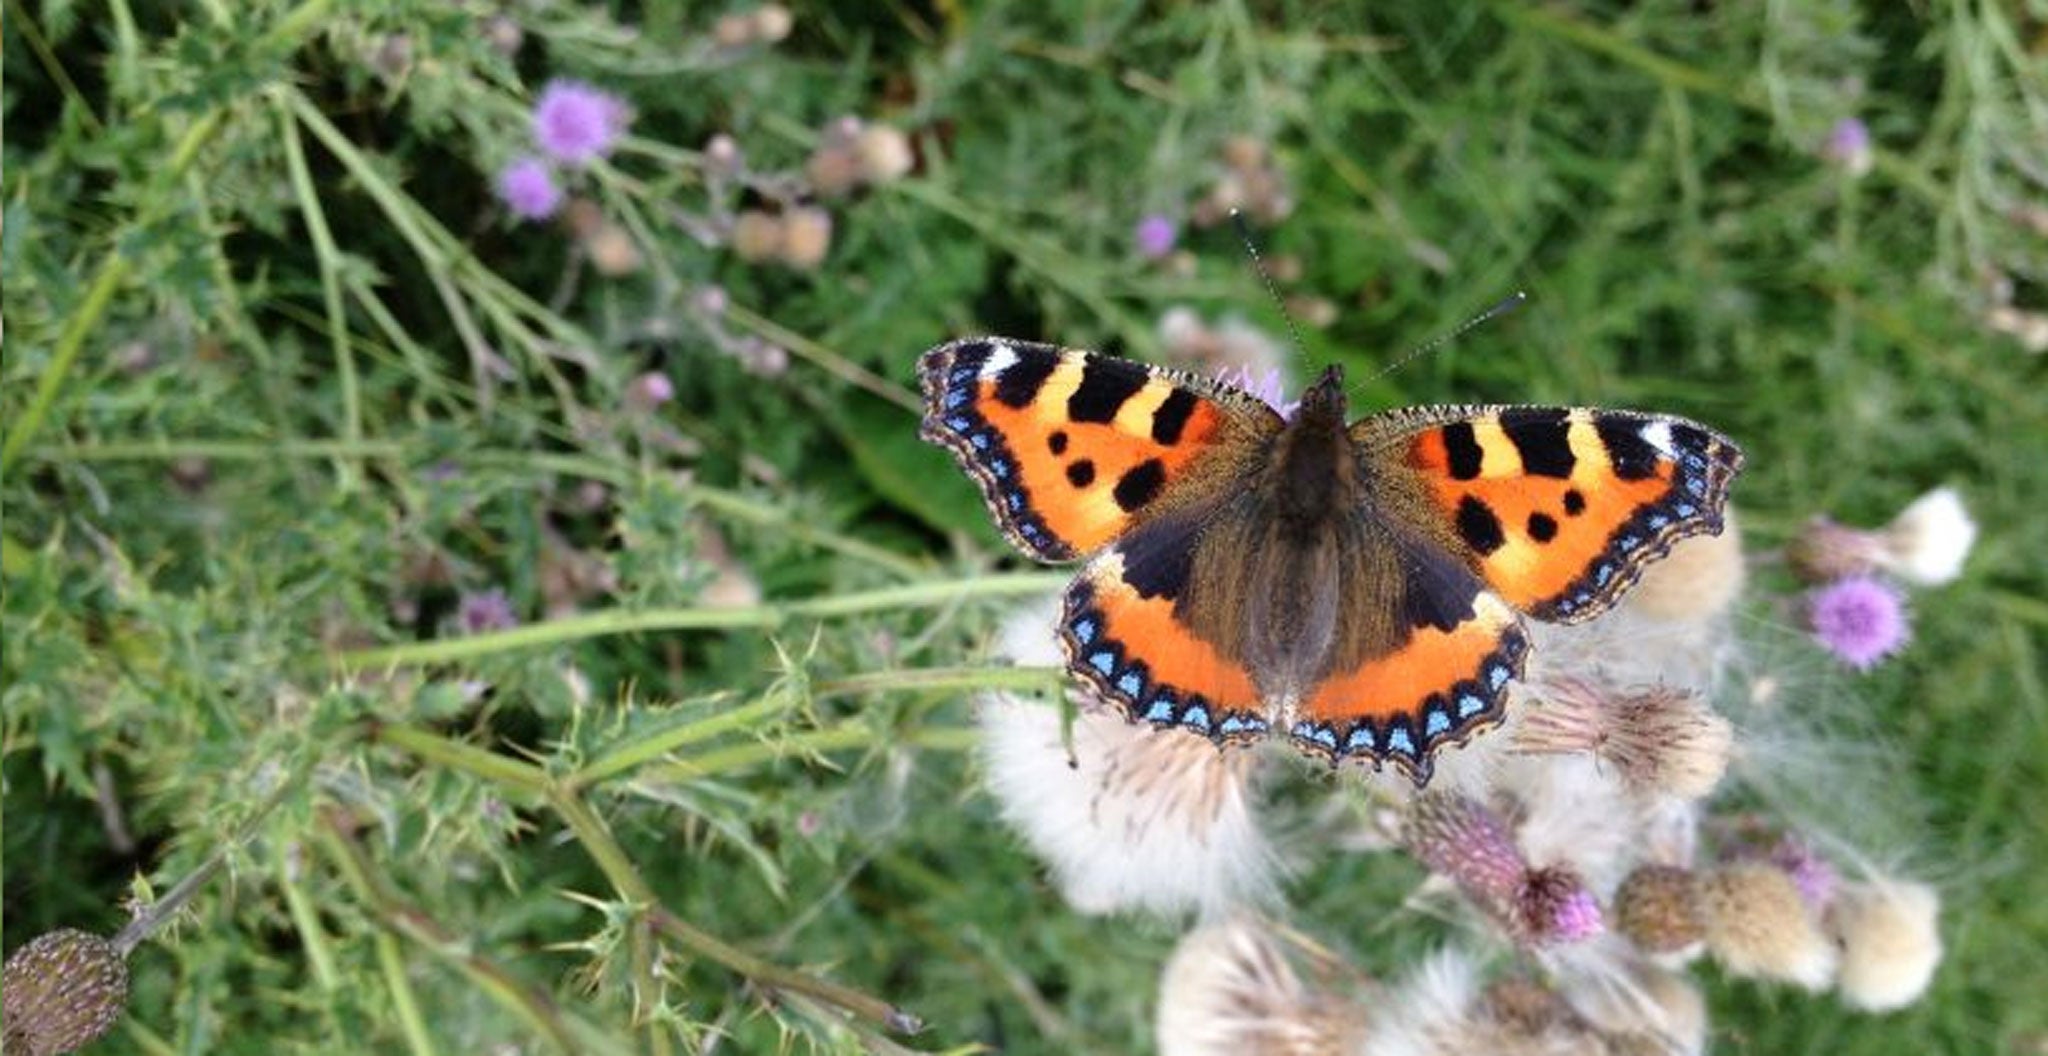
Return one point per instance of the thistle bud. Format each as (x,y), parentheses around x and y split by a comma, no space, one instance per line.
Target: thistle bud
(1554,906)
(1664,741)
(884,153)
(756,235)
(1825,551)
(806,236)
(1657,908)
(64,990)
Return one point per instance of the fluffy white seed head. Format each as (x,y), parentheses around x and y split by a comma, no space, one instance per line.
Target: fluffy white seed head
(1758,925)
(1889,939)
(1661,742)
(1149,820)
(1229,990)
(1698,580)
(1929,540)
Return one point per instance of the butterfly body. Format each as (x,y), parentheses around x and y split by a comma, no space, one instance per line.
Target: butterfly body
(1357,587)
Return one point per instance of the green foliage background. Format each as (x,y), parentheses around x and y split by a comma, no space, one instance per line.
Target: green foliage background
(255,451)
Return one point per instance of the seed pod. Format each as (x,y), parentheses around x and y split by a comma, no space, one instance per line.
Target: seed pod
(64,990)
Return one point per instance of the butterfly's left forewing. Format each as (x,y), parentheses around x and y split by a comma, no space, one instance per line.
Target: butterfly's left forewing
(1073,449)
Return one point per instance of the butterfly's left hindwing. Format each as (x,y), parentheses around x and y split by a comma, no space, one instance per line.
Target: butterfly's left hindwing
(1557,509)
(1125,633)
(1072,449)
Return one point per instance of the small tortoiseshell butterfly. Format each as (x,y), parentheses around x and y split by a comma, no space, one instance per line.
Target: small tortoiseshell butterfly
(1357,586)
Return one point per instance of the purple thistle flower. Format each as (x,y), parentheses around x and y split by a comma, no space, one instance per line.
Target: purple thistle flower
(1859,619)
(486,610)
(1155,236)
(1269,386)
(527,187)
(577,124)
(1848,145)
(1556,907)
(650,390)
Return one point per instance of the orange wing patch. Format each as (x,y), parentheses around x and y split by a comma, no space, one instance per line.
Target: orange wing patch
(1070,449)
(1438,687)
(1131,649)
(1559,510)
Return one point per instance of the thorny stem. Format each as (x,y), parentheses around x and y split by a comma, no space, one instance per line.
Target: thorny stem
(766,617)
(611,859)
(657,744)
(651,746)
(329,257)
(531,1006)
(831,738)
(391,961)
(776,977)
(157,912)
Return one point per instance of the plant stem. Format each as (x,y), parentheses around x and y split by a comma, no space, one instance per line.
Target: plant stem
(391,960)
(655,745)
(776,977)
(329,257)
(490,766)
(831,738)
(157,912)
(761,617)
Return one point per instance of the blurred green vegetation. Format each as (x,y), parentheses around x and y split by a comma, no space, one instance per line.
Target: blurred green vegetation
(283,381)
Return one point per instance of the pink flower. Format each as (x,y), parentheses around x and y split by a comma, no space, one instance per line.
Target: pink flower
(577,124)
(650,390)
(486,610)
(1848,145)
(1859,619)
(528,188)
(1154,236)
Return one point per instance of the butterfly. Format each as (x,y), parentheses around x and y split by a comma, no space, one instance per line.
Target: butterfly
(1358,587)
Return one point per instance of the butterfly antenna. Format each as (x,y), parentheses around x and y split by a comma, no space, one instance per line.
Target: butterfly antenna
(1510,304)
(1244,234)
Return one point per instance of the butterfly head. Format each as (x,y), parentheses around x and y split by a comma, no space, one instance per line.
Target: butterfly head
(1325,400)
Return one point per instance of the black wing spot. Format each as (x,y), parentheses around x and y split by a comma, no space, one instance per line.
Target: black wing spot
(1172,416)
(1140,485)
(1158,566)
(1057,442)
(1543,438)
(1574,503)
(1480,527)
(1105,385)
(1633,457)
(1542,527)
(1081,473)
(1019,383)
(1461,446)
